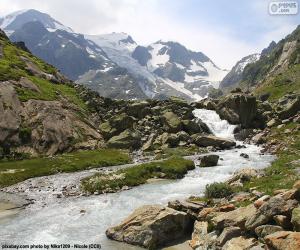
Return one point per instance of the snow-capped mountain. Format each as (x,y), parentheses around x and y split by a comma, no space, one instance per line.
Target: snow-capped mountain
(17,19)
(192,72)
(233,78)
(114,64)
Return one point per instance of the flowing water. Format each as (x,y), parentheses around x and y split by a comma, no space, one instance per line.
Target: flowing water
(63,222)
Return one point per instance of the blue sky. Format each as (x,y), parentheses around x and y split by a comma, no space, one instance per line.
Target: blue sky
(224,30)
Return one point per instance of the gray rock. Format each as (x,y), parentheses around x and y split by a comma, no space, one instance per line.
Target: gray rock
(152,227)
(209,160)
(227,234)
(264,230)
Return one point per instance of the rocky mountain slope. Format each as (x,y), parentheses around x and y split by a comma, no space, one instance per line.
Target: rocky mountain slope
(41,111)
(277,71)
(233,78)
(113,64)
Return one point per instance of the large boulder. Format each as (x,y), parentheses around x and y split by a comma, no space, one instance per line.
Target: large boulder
(239,108)
(283,240)
(127,139)
(211,140)
(152,227)
(236,217)
(171,122)
(290,109)
(275,206)
(209,160)
(191,127)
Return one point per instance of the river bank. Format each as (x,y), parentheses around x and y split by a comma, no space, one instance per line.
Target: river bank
(87,218)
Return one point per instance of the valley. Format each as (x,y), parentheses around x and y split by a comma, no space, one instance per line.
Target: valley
(129,146)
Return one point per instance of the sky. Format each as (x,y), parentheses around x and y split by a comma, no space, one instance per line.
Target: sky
(224,30)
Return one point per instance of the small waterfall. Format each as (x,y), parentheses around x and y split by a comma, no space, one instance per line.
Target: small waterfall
(218,127)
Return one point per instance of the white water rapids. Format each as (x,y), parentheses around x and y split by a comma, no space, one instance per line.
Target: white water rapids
(62,222)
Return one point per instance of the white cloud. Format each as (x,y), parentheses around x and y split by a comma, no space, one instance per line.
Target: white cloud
(147,22)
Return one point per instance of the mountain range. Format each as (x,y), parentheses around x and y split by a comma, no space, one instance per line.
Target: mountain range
(114,64)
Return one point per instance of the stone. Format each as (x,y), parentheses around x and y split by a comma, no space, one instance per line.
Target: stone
(283,240)
(210,140)
(171,122)
(283,221)
(259,138)
(274,206)
(191,127)
(244,155)
(209,160)
(272,123)
(227,208)
(264,230)
(290,109)
(243,175)
(204,213)
(239,108)
(237,217)
(296,219)
(201,239)
(240,243)
(152,226)
(259,202)
(127,139)
(188,207)
(227,234)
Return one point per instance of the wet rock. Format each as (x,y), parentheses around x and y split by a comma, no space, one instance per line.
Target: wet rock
(209,160)
(283,240)
(244,155)
(152,227)
(210,140)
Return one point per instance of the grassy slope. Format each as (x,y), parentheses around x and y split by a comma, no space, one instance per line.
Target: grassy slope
(278,86)
(70,162)
(172,168)
(12,67)
(281,174)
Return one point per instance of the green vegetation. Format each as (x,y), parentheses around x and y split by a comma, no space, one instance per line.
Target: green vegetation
(172,168)
(12,172)
(50,92)
(218,190)
(25,134)
(179,151)
(278,86)
(281,174)
(13,67)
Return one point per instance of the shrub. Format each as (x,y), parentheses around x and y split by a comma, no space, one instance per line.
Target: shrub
(218,190)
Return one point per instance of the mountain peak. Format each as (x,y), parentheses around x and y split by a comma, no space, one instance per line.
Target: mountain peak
(17,19)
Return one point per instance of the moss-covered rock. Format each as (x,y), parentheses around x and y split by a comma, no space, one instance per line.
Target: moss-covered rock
(171,122)
(127,139)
